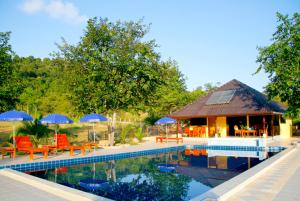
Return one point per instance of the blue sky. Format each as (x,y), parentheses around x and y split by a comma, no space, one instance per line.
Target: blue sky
(212,41)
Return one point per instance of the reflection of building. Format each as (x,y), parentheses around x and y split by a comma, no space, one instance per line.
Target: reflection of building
(219,162)
(219,159)
(195,152)
(232,104)
(213,167)
(261,155)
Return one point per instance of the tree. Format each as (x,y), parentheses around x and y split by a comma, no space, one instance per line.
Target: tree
(8,83)
(171,95)
(43,89)
(112,68)
(281,61)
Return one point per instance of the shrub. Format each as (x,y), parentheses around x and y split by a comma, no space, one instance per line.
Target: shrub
(139,134)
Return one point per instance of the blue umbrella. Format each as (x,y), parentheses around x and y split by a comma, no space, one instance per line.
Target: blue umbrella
(166,121)
(56,119)
(13,116)
(93,118)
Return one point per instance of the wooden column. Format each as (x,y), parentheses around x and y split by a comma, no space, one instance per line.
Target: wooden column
(272,125)
(207,130)
(264,124)
(248,125)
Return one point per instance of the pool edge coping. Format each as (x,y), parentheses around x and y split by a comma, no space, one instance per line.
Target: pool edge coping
(43,185)
(232,186)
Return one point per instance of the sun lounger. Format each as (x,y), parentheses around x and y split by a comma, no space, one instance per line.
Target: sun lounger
(64,144)
(24,144)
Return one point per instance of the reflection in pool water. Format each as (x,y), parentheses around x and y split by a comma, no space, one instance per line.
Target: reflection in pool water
(179,175)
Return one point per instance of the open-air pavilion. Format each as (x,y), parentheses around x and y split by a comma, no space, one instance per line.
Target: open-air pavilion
(234,109)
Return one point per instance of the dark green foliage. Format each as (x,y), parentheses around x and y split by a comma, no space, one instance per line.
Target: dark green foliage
(151,119)
(155,185)
(134,190)
(9,84)
(36,130)
(281,61)
(43,87)
(171,95)
(111,68)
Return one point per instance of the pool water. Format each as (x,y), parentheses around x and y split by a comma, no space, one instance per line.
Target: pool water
(178,175)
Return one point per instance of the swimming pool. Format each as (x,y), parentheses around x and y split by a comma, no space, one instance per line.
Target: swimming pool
(164,174)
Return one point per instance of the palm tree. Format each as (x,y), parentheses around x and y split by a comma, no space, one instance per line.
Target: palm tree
(37,131)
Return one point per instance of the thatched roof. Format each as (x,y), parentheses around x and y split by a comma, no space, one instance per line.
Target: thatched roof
(232,99)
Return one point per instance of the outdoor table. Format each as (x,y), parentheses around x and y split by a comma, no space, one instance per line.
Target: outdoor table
(249,132)
(51,148)
(90,145)
(72,148)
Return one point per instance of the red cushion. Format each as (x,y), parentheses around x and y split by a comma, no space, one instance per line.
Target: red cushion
(23,142)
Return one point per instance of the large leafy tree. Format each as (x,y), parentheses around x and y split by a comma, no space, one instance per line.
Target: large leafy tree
(112,67)
(171,95)
(8,82)
(281,61)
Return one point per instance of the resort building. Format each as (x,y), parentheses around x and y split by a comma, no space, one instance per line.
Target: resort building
(234,109)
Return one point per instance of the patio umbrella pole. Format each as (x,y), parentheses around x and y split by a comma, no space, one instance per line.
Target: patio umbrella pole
(14,140)
(94,134)
(14,134)
(56,138)
(167,134)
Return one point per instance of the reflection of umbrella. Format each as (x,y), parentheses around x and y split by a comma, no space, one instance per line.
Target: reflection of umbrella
(93,118)
(56,119)
(13,116)
(167,167)
(93,184)
(166,121)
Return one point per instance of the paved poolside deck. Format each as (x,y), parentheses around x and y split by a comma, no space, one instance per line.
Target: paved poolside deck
(282,182)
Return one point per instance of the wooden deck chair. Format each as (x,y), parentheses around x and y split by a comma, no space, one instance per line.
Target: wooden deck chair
(64,144)
(24,144)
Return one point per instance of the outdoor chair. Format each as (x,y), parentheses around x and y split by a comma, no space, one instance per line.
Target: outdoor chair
(196,131)
(203,131)
(24,144)
(64,144)
(187,131)
(237,131)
